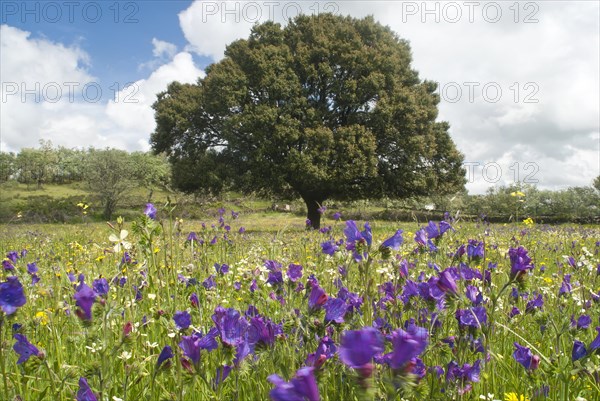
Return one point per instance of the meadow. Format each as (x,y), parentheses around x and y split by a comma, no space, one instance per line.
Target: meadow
(258,307)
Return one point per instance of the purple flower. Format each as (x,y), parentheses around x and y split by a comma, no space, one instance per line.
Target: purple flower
(275,278)
(272,265)
(182,319)
(222,269)
(579,350)
(303,387)
(294,272)
(434,232)
(358,241)
(85,392)
(194,300)
(24,348)
(445,226)
(253,286)
(150,211)
(536,303)
(520,262)
(126,258)
(221,374)
(514,312)
(407,345)
(583,322)
(192,236)
(232,327)
(100,286)
(11,295)
(472,317)
(467,373)
(337,216)
(421,237)
(446,282)
(7,265)
(335,310)
(190,345)
(329,247)
(166,353)
(475,249)
(13,256)
(209,282)
(594,345)
(474,295)
(423,241)
(394,241)
(209,341)
(32,268)
(325,350)
(352,299)
(263,331)
(317,298)
(524,356)
(358,347)
(471,373)
(565,286)
(85,298)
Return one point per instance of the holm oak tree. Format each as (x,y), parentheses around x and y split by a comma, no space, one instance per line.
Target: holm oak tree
(327,107)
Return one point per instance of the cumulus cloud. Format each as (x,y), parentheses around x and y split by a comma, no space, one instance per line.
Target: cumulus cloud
(526,76)
(163,49)
(131,109)
(517,84)
(76,118)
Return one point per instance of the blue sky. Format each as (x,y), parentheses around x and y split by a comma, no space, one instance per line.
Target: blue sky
(119,40)
(519,81)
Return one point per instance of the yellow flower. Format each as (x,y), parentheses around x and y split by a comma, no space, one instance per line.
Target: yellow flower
(42,318)
(548,280)
(528,221)
(514,397)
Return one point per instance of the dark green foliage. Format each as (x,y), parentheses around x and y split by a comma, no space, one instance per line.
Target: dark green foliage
(326,108)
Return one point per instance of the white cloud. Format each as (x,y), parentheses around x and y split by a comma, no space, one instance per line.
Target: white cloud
(131,109)
(124,122)
(547,72)
(208,30)
(163,49)
(554,61)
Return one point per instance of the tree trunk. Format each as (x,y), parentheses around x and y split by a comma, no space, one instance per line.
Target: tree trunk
(312,207)
(109,208)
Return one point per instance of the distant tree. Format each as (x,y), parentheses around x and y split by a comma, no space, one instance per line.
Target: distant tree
(596,183)
(8,165)
(326,108)
(70,165)
(109,173)
(150,171)
(36,166)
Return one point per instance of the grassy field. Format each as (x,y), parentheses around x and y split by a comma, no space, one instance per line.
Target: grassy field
(139,309)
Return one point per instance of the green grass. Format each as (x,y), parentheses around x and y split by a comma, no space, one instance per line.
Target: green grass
(124,366)
(13,191)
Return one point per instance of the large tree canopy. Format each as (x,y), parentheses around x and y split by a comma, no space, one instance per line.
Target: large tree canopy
(327,107)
